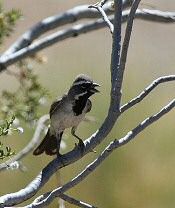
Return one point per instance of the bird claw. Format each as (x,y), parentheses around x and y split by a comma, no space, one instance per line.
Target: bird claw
(59,155)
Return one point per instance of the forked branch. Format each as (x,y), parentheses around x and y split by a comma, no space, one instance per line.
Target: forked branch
(118,61)
(108,150)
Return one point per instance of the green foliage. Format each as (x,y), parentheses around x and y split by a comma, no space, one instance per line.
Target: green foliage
(4,130)
(6,153)
(24,102)
(7,22)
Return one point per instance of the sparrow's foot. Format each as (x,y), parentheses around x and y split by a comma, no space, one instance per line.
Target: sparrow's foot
(59,155)
(80,143)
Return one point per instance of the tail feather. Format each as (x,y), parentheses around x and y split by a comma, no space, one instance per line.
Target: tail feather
(50,145)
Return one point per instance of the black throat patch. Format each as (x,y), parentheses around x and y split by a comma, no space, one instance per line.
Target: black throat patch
(80,104)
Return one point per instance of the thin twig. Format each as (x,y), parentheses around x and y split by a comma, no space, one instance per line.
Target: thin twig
(98,6)
(147,90)
(75,201)
(39,201)
(103,2)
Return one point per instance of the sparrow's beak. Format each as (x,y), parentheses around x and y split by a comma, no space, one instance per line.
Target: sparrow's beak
(93,89)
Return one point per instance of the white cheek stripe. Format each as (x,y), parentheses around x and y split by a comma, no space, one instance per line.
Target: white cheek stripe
(79,95)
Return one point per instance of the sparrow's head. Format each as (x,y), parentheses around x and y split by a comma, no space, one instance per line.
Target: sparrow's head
(83,86)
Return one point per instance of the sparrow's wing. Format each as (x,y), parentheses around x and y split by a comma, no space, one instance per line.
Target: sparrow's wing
(56,104)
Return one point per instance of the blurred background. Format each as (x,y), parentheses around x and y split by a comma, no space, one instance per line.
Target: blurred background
(140,174)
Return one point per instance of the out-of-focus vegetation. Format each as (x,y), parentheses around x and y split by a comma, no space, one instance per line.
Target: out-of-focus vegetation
(24,101)
(8,21)
(140,174)
(4,130)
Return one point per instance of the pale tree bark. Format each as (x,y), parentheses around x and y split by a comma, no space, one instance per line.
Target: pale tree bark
(112,16)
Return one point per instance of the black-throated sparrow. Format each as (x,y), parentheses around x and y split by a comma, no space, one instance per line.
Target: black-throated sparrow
(68,111)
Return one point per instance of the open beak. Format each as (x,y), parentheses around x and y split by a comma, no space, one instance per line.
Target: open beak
(93,89)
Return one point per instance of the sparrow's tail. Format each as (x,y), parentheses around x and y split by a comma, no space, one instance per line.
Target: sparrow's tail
(50,145)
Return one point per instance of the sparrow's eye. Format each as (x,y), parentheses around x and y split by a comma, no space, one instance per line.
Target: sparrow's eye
(85,85)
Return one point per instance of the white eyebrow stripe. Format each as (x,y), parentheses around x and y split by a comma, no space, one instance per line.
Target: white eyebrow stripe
(81,82)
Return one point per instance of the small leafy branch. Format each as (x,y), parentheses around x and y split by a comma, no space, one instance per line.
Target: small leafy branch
(7,153)
(30,94)
(26,99)
(4,130)
(8,21)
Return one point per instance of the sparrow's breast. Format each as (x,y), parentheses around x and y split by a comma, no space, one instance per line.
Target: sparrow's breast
(66,118)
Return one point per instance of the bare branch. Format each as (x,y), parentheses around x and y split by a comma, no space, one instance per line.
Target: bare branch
(108,150)
(7,60)
(151,15)
(42,178)
(113,112)
(99,135)
(116,47)
(156,15)
(70,16)
(31,144)
(40,201)
(91,143)
(75,201)
(98,6)
(125,45)
(147,90)
(61,202)
(144,124)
